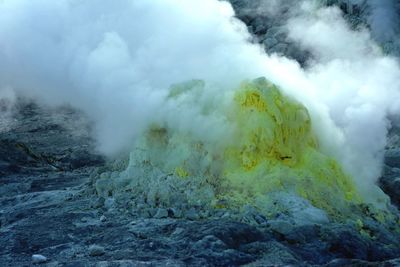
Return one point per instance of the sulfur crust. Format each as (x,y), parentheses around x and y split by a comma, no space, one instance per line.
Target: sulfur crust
(276,150)
(273,149)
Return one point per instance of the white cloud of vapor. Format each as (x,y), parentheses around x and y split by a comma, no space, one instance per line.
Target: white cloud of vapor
(358,85)
(116,61)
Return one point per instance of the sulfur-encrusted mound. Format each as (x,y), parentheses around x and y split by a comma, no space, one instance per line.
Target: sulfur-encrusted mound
(270,148)
(275,149)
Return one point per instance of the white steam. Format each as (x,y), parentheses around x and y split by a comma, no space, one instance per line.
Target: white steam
(116,61)
(358,85)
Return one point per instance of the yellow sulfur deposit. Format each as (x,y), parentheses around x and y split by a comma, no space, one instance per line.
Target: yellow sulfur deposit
(181,172)
(272,149)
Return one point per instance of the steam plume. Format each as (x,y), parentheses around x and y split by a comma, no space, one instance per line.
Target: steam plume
(117,60)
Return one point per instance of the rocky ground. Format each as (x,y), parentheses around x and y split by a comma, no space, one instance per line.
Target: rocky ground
(47,207)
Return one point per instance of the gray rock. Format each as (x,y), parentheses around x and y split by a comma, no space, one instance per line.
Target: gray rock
(192,214)
(281,226)
(178,231)
(392,157)
(109,203)
(280,35)
(297,210)
(270,42)
(274,31)
(38,259)
(274,254)
(161,213)
(251,216)
(97,202)
(96,250)
(209,242)
(390,184)
(175,212)
(279,49)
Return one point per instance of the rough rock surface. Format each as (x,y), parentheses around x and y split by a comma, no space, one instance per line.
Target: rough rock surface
(47,207)
(390,180)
